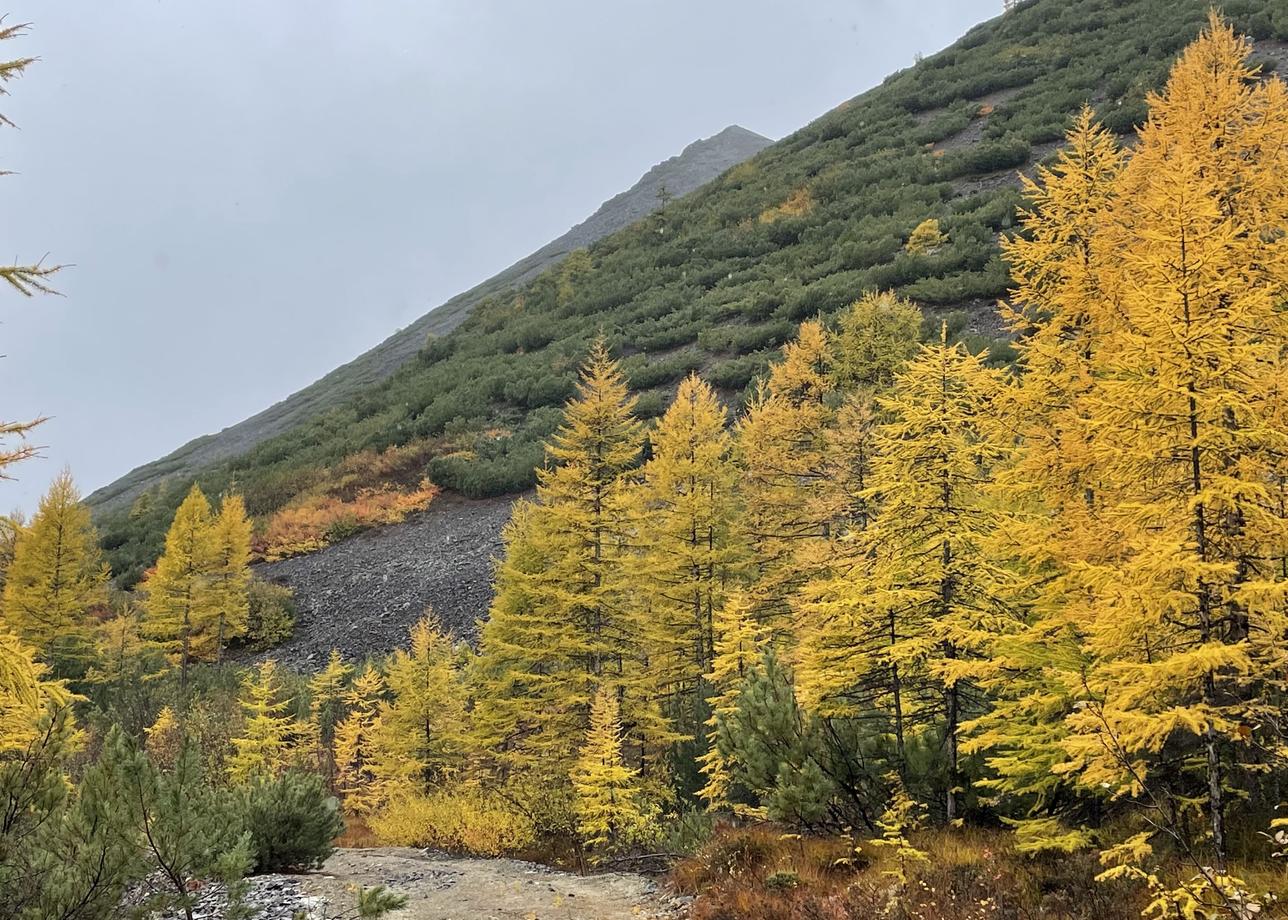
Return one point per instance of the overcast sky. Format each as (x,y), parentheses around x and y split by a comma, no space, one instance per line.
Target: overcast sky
(253,192)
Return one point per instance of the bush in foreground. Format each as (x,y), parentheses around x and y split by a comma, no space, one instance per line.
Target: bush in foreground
(292,821)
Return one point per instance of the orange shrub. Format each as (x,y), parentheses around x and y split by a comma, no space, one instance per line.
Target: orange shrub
(314,521)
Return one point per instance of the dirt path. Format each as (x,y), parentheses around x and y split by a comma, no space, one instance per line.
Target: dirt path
(448,888)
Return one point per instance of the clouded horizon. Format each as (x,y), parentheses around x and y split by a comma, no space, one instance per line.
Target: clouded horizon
(250,196)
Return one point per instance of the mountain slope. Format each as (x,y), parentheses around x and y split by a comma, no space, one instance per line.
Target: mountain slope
(718,280)
(697,164)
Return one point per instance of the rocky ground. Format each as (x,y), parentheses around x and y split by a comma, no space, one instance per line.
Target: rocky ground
(362,595)
(441,887)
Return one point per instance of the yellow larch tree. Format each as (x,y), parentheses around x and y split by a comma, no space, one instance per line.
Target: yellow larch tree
(783,452)
(11,526)
(1186,624)
(1050,493)
(929,571)
(842,666)
(687,552)
(230,574)
(421,734)
(26,695)
(56,577)
(926,238)
(163,739)
(559,625)
(327,707)
(354,744)
(526,650)
(580,500)
(607,799)
(875,336)
(736,649)
(182,607)
(262,749)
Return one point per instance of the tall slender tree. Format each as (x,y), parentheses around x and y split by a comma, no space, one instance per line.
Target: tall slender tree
(559,625)
(181,603)
(230,575)
(687,555)
(56,577)
(929,568)
(1051,493)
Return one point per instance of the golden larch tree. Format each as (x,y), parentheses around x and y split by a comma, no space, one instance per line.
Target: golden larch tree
(262,749)
(230,575)
(354,743)
(1050,493)
(606,789)
(420,738)
(929,571)
(688,554)
(559,624)
(56,577)
(181,604)
(1185,630)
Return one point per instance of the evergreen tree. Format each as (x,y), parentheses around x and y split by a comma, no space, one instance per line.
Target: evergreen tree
(182,606)
(183,828)
(56,577)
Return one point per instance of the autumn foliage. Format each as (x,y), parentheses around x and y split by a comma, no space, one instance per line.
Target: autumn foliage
(316,521)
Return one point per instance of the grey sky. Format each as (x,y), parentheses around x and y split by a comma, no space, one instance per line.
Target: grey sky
(255,192)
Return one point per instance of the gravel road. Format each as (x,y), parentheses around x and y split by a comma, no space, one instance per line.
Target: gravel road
(447,888)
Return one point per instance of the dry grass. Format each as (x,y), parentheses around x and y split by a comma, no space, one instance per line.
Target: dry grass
(356,834)
(972,875)
(798,204)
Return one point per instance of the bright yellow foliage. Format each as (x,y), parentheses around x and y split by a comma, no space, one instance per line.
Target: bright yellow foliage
(230,576)
(181,604)
(355,746)
(607,792)
(457,819)
(57,575)
(559,623)
(419,737)
(263,748)
(689,554)
(926,238)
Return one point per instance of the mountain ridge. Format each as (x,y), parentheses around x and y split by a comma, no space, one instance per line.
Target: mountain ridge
(695,165)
